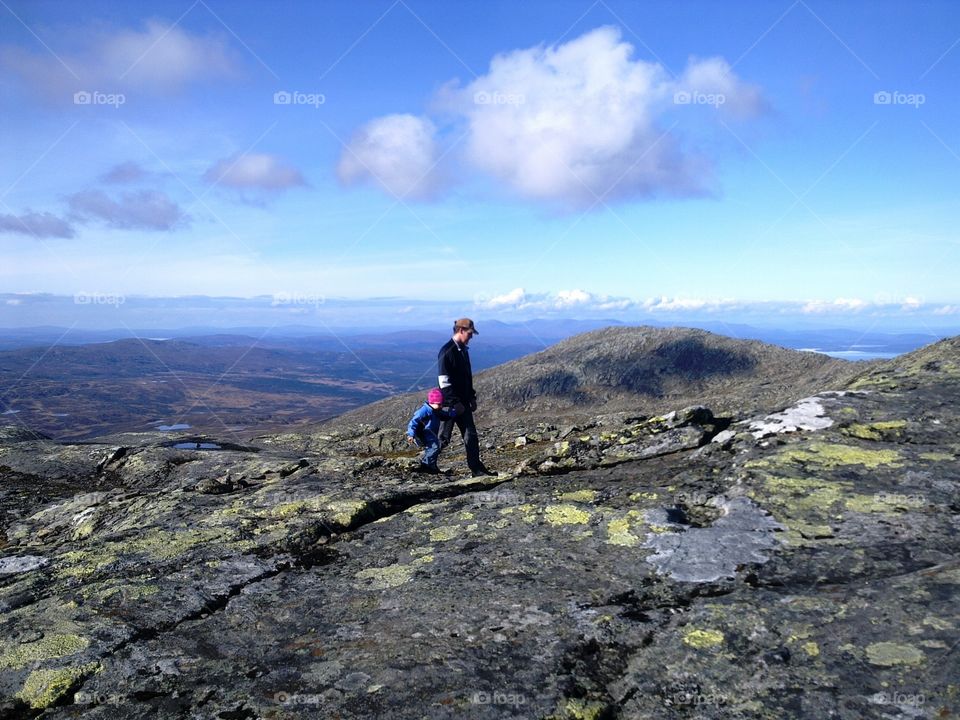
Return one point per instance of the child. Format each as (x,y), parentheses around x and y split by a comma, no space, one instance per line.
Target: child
(423,427)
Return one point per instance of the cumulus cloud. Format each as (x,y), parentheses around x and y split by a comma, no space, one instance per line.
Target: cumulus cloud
(160,57)
(520,299)
(143,210)
(36,224)
(682,304)
(254,171)
(816,307)
(581,122)
(575,124)
(125,172)
(396,152)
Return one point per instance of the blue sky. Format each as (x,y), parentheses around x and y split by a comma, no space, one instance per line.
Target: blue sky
(786,159)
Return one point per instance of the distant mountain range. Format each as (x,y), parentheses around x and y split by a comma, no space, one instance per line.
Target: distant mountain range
(843,342)
(76,384)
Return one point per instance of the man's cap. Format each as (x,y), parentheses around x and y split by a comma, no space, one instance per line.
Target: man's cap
(466,324)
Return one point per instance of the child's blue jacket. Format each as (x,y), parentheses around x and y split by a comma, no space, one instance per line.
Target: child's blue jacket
(426,418)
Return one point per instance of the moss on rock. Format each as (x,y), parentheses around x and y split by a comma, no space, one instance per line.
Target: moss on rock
(47,648)
(43,688)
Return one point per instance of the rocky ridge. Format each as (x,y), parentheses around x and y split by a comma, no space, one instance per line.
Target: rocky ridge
(796,562)
(633,370)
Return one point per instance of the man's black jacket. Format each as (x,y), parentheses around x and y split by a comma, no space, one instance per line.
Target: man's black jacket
(454,374)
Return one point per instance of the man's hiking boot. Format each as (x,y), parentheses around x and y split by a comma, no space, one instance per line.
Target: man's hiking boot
(428,469)
(483,471)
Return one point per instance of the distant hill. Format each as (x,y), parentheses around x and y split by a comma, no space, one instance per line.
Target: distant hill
(228,381)
(638,369)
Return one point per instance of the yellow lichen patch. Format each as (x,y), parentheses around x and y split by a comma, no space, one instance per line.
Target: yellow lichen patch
(582,710)
(422,550)
(46,648)
(386,577)
(811,649)
(888,654)
(286,510)
(830,455)
(876,503)
(500,524)
(661,529)
(638,496)
(445,532)
(82,563)
(936,456)
(937,623)
(566,515)
(562,448)
(43,688)
(170,544)
(806,495)
(619,530)
(585,496)
(702,639)
(129,592)
(887,429)
(346,511)
(465,515)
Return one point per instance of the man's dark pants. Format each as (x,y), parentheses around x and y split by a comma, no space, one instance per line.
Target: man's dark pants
(471,440)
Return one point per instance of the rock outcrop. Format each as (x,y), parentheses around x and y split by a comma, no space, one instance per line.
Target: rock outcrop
(796,562)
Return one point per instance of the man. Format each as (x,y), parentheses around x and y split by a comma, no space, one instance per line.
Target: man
(456,381)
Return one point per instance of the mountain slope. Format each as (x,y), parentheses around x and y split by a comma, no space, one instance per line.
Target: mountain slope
(638,370)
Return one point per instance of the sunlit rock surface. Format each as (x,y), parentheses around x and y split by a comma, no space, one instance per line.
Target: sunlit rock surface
(665,566)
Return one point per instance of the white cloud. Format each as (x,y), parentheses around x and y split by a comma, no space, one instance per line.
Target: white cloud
(570,124)
(947,310)
(159,58)
(146,209)
(510,299)
(396,152)
(36,224)
(680,304)
(256,171)
(520,299)
(712,78)
(843,305)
